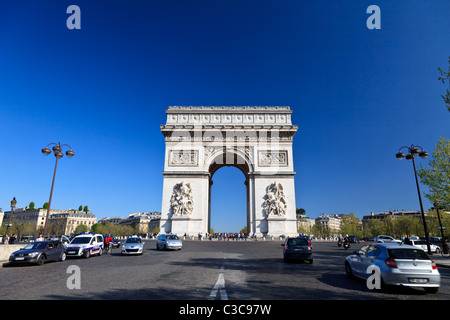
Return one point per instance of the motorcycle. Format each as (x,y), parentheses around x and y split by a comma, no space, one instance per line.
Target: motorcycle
(346,245)
(339,243)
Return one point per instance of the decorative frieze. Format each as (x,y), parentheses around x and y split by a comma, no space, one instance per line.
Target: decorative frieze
(183,158)
(268,158)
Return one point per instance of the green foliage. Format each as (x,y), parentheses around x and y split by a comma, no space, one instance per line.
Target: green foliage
(45,205)
(351,225)
(436,176)
(445,76)
(81,228)
(31,205)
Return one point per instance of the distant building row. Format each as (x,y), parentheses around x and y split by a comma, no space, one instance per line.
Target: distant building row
(59,222)
(145,222)
(66,221)
(333,221)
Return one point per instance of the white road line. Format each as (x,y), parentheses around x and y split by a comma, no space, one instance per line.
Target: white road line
(219,287)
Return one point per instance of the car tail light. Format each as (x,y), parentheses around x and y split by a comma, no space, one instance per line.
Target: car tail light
(433,265)
(309,247)
(391,263)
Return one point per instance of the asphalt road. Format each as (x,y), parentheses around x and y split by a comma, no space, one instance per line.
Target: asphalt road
(203,270)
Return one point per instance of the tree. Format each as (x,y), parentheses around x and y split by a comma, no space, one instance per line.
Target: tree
(45,205)
(445,76)
(31,205)
(436,176)
(80,208)
(81,228)
(85,209)
(351,225)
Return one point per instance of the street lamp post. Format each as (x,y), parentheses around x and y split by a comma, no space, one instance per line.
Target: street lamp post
(58,154)
(413,151)
(13,205)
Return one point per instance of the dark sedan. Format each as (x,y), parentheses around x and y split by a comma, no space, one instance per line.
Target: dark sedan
(297,248)
(39,252)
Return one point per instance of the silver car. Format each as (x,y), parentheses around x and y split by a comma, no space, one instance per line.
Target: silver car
(133,245)
(400,265)
(169,241)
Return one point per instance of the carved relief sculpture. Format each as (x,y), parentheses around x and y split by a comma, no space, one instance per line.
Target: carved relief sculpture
(183,157)
(182,202)
(272,158)
(275,200)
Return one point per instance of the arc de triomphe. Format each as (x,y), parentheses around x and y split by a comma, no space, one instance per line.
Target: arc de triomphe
(256,140)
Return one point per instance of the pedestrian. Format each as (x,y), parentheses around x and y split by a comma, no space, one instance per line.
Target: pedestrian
(40,238)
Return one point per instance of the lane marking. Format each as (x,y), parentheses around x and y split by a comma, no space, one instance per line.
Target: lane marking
(219,286)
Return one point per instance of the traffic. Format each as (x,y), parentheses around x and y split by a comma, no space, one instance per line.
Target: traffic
(396,263)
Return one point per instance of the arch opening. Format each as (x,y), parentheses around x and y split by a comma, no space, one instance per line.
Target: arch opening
(231,197)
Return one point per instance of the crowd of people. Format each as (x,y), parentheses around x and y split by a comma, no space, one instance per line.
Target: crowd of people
(221,236)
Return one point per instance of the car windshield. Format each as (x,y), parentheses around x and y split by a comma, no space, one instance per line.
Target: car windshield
(408,254)
(172,237)
(81,240)
(419,242)
(297,242)
(36,245)
(133,240)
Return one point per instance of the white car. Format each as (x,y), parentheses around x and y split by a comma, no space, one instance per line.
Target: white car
(133,245)
(422,244)
(386,239)
(85,245)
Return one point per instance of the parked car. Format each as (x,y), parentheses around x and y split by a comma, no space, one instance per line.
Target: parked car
(297,248)
(39,252)
(400,265)
(168,241)
(422,244)
(386,239)
(133,245)
(85,245)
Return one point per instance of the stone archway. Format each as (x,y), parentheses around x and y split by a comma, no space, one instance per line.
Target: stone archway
(256,140)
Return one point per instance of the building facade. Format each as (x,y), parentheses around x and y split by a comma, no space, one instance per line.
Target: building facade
(145,222)
(60,221)
(331,222)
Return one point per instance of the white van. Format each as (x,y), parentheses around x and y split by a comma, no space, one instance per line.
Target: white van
(85,245)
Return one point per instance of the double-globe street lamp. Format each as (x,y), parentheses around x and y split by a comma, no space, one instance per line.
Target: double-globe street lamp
(58,154)
(413,151)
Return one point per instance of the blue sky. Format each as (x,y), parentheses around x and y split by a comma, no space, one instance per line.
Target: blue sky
(357,95)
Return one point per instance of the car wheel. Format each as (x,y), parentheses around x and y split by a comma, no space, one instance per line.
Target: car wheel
(41,260)
(348,270)
(87,254)
(63,257)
